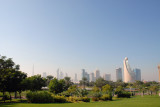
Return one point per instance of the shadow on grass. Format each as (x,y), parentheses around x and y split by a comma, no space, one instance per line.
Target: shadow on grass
(7,104)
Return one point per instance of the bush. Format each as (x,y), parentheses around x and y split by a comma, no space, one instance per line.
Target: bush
(85,99)
(95,99)
(77,99)
(59,99)
(5,97)
(124,95)
(65,93)
(39,97)
(96,96)
(106,97)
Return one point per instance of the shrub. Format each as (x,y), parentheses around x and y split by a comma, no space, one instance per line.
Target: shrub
(85,99)
(95,99)
(106,97)
(5,97)
(39,97)
(59,99)
(74,99)
(124,95)
(96,96)
(65,93)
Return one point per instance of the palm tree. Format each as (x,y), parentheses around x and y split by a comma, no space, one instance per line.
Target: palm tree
(84,82)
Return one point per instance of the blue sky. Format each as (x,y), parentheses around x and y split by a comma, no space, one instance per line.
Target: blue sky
(76,34)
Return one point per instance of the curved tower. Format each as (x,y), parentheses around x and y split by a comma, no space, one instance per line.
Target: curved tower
(129,75)
(159,72)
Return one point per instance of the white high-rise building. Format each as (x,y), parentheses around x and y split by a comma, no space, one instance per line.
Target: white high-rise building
(107,77)
(119,74)
(61,75)
(57,73)
(75,79)
(97,74)
(137,74)
(129,75)
(92,78)
(44,74)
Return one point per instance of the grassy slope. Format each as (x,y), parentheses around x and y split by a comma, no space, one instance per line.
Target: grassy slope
(147,101)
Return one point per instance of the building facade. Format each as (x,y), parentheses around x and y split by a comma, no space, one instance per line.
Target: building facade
(129,74)
(85,75)
(119,74)
(137,74)
(97,74)
(92,78)
(107,77)
(159,72)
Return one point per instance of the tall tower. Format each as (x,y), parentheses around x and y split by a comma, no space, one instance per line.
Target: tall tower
(119,74)
(107,77)
(75,79)
(137,74)
(57,73)
(129,74)
(97,74)
(159,72)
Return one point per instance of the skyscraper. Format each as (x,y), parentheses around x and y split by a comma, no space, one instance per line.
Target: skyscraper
(159,72)
(44,75)
(137,74)
(92,77)
(107,77)
(85,74)
(119,74)
(57,73)
(61,75)
(129,75)
(75,78)
(97,74)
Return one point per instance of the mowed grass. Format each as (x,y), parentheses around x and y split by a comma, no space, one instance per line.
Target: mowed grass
(138,101)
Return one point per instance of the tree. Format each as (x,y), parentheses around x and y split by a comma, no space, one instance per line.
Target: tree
(100,82)
(48,79)
(95,89)
(56,86)
(83,82)
(10,76)
(119,90)
(107,88)
(34,83)
(153,88)
(68,83)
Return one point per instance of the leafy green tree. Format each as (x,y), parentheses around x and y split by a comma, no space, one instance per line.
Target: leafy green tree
(95,89)
(84,82)
(34,83)
(100,82)
(56,86)
(10,76)
(48,79)
(119,90)
(107,88)
(68,82)
(153,88)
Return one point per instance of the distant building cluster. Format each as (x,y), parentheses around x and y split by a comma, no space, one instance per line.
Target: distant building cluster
(126,74)
(94,76)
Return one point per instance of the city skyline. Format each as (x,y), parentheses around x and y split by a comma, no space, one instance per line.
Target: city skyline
(44,36)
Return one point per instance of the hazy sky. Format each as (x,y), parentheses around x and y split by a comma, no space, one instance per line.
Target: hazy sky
(76,34)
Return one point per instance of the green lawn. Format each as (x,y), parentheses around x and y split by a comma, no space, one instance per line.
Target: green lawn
(147,101)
